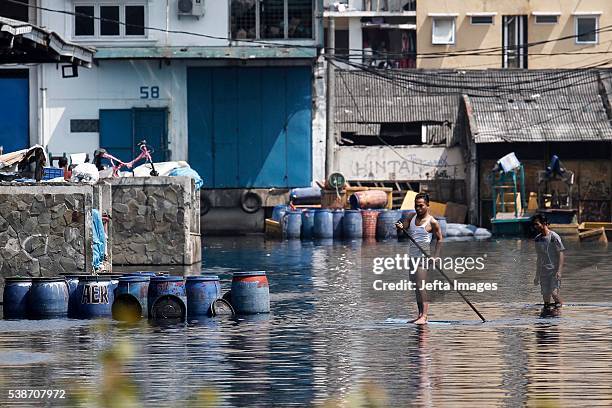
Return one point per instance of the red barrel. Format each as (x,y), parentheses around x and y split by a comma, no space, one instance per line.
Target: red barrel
(250,292)
(369,218)
(368,199)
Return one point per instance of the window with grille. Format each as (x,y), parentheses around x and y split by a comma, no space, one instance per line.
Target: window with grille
(586,29)
(122,20)
(443,31)
(272,19)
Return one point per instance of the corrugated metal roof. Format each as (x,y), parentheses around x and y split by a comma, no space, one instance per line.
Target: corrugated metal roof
(22,42)
(507,105)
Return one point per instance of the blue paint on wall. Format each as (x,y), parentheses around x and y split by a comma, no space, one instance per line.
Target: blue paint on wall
(122,129)
(14,114)
(116,133)
(250,127)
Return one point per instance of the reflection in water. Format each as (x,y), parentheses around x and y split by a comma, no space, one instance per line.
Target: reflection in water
(326,338)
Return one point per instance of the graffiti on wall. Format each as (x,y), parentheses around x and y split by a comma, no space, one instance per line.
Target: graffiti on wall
(373,163)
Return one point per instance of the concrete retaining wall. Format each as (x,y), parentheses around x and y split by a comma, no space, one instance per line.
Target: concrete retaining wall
(156,221)
(46,229)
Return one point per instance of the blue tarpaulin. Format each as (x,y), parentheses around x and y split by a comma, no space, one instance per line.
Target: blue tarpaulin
(189,172)
(99,239)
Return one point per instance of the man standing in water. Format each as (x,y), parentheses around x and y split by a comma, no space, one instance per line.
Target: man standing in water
(421,227)
(549,268)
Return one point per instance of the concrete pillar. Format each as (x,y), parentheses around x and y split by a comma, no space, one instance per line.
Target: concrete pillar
(331,137)
(319,118)
(355,40)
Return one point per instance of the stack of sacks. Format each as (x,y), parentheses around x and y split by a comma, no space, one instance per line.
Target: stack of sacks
(463,230)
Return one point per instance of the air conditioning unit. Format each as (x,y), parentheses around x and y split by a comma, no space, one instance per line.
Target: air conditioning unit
(194,8)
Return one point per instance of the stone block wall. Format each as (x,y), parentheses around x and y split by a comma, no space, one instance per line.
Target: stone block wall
(46,229)
(155,221)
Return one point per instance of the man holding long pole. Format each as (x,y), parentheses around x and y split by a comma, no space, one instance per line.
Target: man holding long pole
(420,228)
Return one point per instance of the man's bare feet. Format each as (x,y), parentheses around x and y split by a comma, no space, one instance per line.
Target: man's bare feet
(421,320)
(414,320)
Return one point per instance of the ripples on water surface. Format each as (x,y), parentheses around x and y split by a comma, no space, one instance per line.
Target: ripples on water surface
(327,336)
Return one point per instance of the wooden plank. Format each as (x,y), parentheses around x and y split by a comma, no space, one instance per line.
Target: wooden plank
(273,229)
(408,203)
(564,229)
(594,235)
(456,213)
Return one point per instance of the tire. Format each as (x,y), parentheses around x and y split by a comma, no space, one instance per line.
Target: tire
(222,307)
(205,204)
(250,202)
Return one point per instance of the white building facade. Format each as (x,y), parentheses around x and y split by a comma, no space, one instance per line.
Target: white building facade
(227,85)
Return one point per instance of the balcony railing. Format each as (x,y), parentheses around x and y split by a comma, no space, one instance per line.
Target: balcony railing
(393,6)
(384,6)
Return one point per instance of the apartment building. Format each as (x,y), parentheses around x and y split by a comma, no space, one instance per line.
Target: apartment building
(472,34)
(493,34)
(378,33)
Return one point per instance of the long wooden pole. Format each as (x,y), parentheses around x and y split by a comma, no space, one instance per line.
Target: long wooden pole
(445,276)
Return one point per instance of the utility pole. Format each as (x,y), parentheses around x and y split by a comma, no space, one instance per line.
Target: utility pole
(330,111)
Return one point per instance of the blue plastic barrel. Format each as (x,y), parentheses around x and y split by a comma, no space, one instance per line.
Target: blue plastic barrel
(73,282)
(141,273)
(385,225)
(305,195)
(167,298)
(338,216)
(114,279)
(408,213)
(278,211)
(442,222)
(323,224)
(94,297)
(308,223)
(201,292)
(352,225)
(16,292)
(48,298)
(131,298)
(292,224)
(250,292)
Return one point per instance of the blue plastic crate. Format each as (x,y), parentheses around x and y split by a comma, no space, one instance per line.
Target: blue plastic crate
(52,172)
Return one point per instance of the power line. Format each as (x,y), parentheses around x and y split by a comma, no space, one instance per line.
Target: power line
(452,83)
(466,52)
(389,145)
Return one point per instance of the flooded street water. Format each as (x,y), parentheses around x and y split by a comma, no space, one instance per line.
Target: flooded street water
(329,337)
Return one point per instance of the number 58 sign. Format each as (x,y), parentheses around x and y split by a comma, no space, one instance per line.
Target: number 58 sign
(149,92)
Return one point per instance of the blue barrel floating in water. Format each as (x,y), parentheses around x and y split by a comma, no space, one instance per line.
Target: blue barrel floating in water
(16,293)
(292,224)
(73,282)
(338,216)
(48,298)
(308,223)
(131,298)
(443,224)
(323,224)
(114,279)
(250,292)
(167,298)
(352,225)
(201,292)
(385,225)
(278,211)
(94,297)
